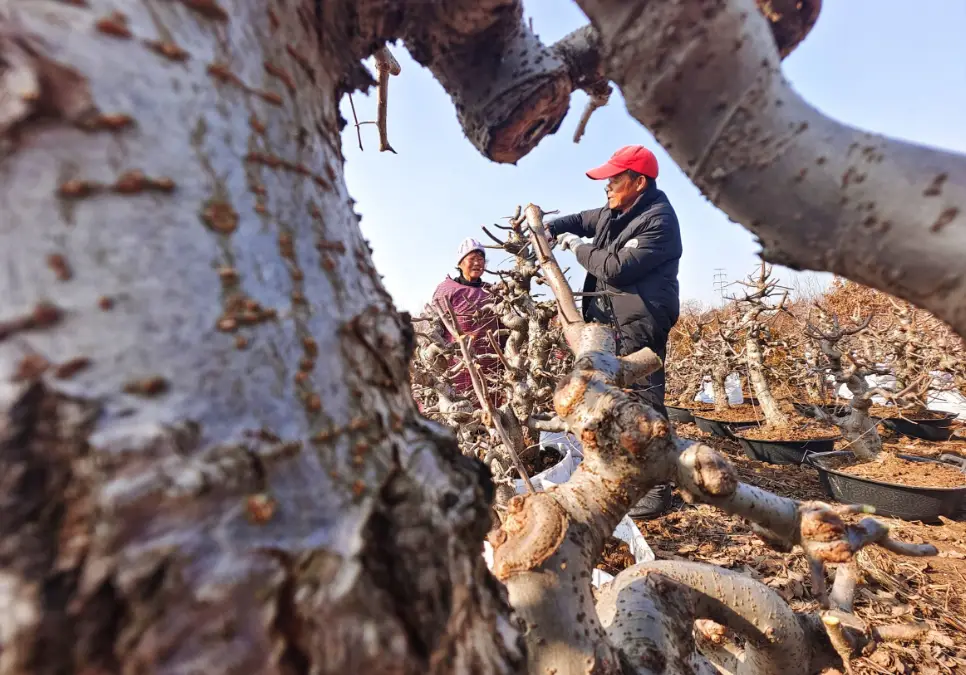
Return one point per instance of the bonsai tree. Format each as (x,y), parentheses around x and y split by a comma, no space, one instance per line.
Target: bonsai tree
(757,308)
(857,427)
(210,452)
(902,341)
(685,356)
(500,420)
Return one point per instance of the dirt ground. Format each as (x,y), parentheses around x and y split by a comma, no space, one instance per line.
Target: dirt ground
(895,589)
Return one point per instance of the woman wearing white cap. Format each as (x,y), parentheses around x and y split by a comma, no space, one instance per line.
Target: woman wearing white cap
(468,294)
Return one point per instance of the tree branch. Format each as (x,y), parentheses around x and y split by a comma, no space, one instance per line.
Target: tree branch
(539,239)
(774,639)
(820,195)
(387,66)
(509,89)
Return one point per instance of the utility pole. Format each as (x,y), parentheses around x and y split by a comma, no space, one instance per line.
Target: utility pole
(720,281)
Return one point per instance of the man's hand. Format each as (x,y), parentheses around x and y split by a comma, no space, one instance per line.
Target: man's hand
(567,240)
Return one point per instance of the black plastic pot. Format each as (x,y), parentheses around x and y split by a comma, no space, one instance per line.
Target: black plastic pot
(891,499)
(722,429)
(676,414)
(783,452)
(929,430)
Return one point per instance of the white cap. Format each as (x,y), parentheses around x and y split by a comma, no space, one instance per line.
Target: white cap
(468,246)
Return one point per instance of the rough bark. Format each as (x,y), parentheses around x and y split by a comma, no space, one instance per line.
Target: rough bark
(210,456)
(774,416)
(820,195)
(509,89)
(718,376)
(774,639)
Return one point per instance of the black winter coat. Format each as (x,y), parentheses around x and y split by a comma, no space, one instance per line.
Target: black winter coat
(635,254)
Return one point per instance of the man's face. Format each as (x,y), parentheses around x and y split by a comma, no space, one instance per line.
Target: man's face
(472,266)
(623,190)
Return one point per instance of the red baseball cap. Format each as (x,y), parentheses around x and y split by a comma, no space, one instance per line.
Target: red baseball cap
(634,157)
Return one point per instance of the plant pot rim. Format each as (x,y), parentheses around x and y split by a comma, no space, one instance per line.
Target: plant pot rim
(946,416)
(815,460)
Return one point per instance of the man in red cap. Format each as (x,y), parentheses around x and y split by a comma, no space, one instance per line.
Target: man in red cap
(633,262)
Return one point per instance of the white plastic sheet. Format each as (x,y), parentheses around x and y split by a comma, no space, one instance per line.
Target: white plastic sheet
(627,531)
(940,396)
(732,389)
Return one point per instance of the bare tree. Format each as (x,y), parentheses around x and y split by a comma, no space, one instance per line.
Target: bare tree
(858,428)
(501,419)
(758,309)
(211,460)
(685,356)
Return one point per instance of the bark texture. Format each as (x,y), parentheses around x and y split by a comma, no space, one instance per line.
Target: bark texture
(774,416)
(775,641)
(719,374)
(210,456)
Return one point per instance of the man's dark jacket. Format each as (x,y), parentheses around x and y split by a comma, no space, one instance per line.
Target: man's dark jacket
(634,254)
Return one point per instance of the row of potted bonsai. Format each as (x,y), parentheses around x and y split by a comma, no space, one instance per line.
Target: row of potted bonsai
(807,438)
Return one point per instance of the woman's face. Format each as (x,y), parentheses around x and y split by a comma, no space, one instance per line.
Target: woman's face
(472,266)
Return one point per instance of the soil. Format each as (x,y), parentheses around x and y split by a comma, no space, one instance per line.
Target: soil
(895,588)
(697,405)
(740,413)
(793,433)
(892,469)
(912,415)
(616,557)
(923,448)
(536,462)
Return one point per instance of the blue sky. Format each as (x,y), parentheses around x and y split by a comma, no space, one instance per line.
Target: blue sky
(882,65)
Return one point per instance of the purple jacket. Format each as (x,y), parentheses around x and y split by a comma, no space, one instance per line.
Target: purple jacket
(467,302)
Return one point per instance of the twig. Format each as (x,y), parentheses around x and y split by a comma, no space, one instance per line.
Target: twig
(387,66)
(356,120)
(597,100)
(494,238)
(499,352)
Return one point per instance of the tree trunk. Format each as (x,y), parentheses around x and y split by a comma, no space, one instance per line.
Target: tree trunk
(858,428)
(718,376)
(774,417)
(686,400)
(860,431)
(210,457)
